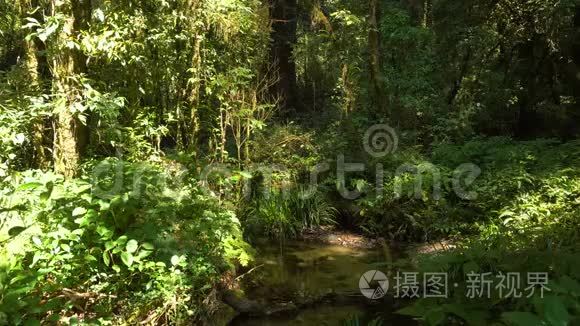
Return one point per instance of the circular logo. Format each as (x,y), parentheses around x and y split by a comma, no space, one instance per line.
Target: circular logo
(380,140)
(373,284)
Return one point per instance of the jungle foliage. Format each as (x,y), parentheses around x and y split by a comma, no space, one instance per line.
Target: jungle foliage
(145,144)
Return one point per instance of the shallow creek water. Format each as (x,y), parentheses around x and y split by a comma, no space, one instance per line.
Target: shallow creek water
(299,270)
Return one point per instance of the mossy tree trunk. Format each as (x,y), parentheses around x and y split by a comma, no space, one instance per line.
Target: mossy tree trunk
(31,67)
(68,64)
(378,96)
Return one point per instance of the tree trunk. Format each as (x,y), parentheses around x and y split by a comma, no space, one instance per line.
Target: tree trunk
(70,132)
(194,123)
(40,155)
(378,97)
(33,76)
(283,15)
(459,81)
(534,53)
(426,14)
(66,147)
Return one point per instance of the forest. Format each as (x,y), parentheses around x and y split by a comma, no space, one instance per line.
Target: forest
(290,162)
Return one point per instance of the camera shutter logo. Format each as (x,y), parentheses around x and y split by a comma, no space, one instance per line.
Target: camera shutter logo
(373,284)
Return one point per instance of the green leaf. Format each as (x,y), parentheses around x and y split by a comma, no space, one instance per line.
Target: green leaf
(31,23)
(104,232)
(570,285)
(121,240)
(45,33)
(175,260)
(79,211)
(78,232)
(106,258)
(49,188)
(99,15)
(522,318)
(37,241)
(37,256)
(147,246)
(109,245)
(144,253)
(435,316)
(555,312)
(82,221)
(29,186)
(104,205)
(16,231)
(127,258)
(132,246)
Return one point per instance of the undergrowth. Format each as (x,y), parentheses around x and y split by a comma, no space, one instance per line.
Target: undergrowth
(130,242)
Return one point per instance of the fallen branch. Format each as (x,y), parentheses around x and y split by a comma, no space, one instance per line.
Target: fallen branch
(248,272)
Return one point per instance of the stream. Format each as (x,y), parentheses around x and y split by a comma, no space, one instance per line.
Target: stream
(297,271)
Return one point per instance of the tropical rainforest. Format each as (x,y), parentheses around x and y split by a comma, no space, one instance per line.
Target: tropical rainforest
(150,151)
